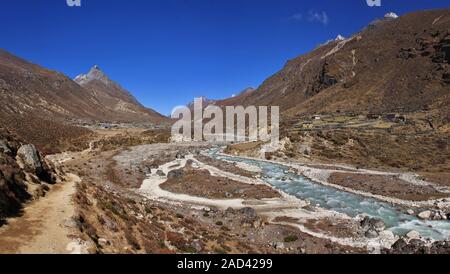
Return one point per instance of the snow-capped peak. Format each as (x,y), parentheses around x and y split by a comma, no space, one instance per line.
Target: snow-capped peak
(391,15)
(339,38)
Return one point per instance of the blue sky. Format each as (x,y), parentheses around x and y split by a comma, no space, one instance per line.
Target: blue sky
(167,51)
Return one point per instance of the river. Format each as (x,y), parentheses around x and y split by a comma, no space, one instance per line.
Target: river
(341,201)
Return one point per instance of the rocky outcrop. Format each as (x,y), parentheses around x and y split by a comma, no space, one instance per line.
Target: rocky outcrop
(418,246)
(325,79)
(442,48)
(372,227)
(13,187)
(23,175)
(435,215)
(30,159)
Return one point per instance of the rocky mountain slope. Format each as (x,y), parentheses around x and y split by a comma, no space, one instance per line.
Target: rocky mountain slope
(393,65)
(116,100)
(236,100)
(44,107)
(377,99)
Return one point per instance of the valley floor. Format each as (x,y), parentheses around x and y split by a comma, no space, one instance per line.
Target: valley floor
(178,198)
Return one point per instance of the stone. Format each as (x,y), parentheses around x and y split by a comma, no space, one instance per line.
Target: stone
(387,235)
(4,146)
(437,217)
(29,156)
(197,246)
(278,245)
(411,212)
(399,245)
(425,215)
(413,235)
(160,173)
(103,242)
(70,223)
(371,234)
(377,225)
(442,247)
(416,243)
(415,246)
(372,224)
(365,223)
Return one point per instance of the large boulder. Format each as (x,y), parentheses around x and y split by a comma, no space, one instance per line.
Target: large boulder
(413,235)
(30,159)
(371,234)
(378,225)
(414,246)
(425,215)
(374,224)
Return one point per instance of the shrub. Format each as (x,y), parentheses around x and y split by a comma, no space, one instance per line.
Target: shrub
(291,238)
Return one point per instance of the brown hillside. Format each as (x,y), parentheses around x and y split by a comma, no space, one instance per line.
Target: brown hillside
(392,65)
(41,105)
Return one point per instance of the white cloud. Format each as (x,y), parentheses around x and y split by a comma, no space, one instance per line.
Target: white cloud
(321,17)
(312,16)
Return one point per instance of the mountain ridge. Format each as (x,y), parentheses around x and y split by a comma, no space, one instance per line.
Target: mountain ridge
(115,97)
(396,64)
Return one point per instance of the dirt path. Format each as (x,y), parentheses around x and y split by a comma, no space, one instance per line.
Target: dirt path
(45,226)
